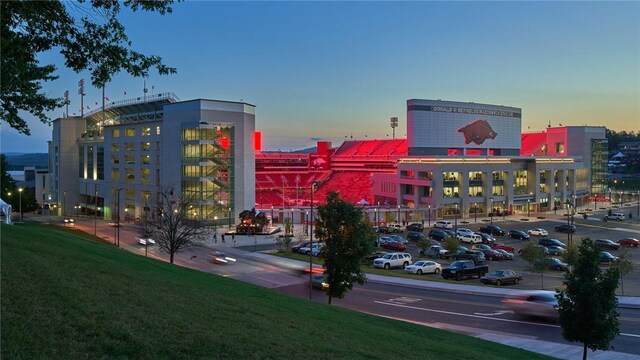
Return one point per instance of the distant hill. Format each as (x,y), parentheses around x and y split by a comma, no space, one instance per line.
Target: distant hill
(17,161)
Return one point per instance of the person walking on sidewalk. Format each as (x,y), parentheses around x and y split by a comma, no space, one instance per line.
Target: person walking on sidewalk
(222,237)
(215,238)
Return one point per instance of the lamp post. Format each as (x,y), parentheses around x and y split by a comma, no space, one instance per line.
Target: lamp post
(306,222)
(528,207)
(398,220)
(491,212)
(456,219)
(64,200)
(313,185)
(215,228)
(375,212)
(638,207)
(95,212)
(118,217)
(20,192)
(429,215)
(475,213)
(229,218)
(272,222)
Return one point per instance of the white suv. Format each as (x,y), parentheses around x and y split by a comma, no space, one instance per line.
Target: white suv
(443,224)
(471,239)
(393,260)
(616,216)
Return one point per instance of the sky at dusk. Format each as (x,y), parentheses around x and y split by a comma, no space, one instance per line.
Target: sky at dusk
(336,70)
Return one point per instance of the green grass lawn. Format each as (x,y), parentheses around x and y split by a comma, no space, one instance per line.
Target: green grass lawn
(70,297)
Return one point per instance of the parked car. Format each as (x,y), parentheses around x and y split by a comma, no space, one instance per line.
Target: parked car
(493,230)
(450,233)
(518,234)
(464,231)
(564,228)
(383,229)
(319,282)
(553,264)
(551,242)
(296,248)
(415,227)
(555,250)
(396,228)
(607,258)
(492,255)
(424,266)
(398,238)
(486,238)
(415,236)
(499,213)
(464,269)
(504,247)
(606,244)
(437,234)
(394,245)
(499,277)
(376,254)
(481,247)
(616,216)
(443,224)
(436,251)
(393,260)
(538,232)
(542,248)
(507,255)
(629,242)
(473,255)
(541,304)
(470,238)
(307,249)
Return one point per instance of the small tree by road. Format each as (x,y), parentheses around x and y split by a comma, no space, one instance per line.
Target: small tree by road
(348,238)
(623,264)
(172,228)
(588,303)
(450,244)
(535,256)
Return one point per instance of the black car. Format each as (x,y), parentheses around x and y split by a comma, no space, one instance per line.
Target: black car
(376,254)
(518,234)
(383,229)
(297,247)
(551,242)
(450,233)
(553,264)
(566,228)
(438,234)
(492,230)
(486,238)
(415,227)
(415,236)
(607,258)
(606,244)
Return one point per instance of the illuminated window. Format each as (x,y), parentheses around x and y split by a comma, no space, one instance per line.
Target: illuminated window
(115,147)
(115,133)
(157,130)
(115,159)
(115,175)
(129,147)
(145,159)
(145,146)
(130,175)
(130,132)
(559,148)
(129,160)
(146,131)
(145,175)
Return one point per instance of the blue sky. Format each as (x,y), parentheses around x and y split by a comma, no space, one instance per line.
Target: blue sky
(326,70)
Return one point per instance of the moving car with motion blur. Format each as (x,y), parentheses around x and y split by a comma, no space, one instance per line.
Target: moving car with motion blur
(538,304)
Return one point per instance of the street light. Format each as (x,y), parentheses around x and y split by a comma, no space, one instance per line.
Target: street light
(491,212)
(375,212)
(215,228)
(475,213)
(429,215)
(20,191)
(456,219)
(229,218)
(398,221)
(118,217)
(528,207)
(64,200)
(272,222)
(313,186)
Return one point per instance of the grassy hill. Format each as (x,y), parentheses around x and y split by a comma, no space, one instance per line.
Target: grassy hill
(68,297)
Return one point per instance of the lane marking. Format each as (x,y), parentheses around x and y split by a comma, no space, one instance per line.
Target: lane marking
(481,316)
(501,312)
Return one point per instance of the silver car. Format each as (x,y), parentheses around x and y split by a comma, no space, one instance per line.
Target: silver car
(539,304)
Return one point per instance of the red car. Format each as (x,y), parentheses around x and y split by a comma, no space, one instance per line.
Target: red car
(394,245)
(629,242)
(492,255)
(504,247)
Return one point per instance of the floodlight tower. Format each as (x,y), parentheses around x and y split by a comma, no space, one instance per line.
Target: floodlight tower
(394,125)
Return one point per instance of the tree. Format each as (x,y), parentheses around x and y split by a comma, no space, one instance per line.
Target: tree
(6,181)
(587,305)
(536,257)
(348,238)
(623,264)
(96,42)
(450,244)
(570,256)
(389,217)
(173,229)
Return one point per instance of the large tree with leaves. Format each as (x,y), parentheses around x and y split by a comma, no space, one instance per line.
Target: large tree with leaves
(348,238)
(173,228)
(92,40)
(588,303)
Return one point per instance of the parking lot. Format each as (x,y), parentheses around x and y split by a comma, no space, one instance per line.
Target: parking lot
(592,227)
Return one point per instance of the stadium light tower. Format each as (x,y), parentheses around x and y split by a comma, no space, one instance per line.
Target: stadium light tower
(394,125)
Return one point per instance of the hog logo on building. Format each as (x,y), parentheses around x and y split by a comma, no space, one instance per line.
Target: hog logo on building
(477,132)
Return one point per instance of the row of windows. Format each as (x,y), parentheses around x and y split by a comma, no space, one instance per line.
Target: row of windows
(130,146)
(131,160)
(128,176)
(145,131)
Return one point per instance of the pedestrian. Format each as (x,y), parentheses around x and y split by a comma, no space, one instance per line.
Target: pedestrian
(233,236)
(215,237)
(222,236)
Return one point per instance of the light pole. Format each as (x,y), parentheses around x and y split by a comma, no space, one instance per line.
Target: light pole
(64,200)
(398,220)
(528,207)
(306,222)
(456,219)
(215,228)
(491,212)
(118,217)
(475,213)
(313,185)
(229,218)
(429,215)
(20,191)
(272,222)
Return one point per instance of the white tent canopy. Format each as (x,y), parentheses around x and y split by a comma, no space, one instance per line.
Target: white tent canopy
(6,210)
(619,155)
(363,202)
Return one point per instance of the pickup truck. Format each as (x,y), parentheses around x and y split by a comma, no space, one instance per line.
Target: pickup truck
(464,269)
(476,256)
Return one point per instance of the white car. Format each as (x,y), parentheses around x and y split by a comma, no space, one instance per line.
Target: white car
(465,231)
(146,241)
(219,257)
(424,266)
(307,250)
(538,232)
(393,260)
(443,224)
(471,239)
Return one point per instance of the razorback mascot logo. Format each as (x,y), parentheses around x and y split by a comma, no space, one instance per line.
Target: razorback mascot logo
(477,132)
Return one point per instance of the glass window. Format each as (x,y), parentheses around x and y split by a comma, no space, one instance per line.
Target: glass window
(145,175)
(145,159)
(145,146)
(100,162)
(115,147)
(115,175)
(130,175)
(130,194)
(129,146)
(90,162)
(130,132)
(129,159)
(115,159)
(157,130)
(81,162)
(145,131)
(115,133)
